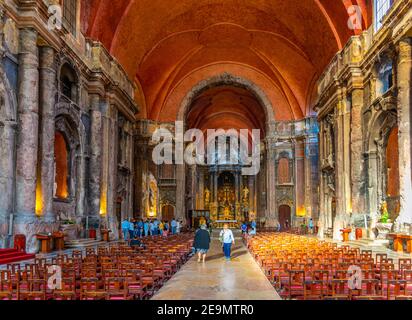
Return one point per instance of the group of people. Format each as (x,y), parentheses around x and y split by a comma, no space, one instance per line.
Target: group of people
(249,228)
(201,244)
(286,226)
(132,228)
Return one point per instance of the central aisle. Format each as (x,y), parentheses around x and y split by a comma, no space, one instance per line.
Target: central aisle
(239,279)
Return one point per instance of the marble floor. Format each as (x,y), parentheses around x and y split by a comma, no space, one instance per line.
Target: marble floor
(217,279)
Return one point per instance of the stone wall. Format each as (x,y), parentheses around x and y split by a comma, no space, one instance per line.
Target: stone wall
(363,95)
(33,106)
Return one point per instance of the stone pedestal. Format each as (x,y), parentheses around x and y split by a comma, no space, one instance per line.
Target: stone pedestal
(383,230)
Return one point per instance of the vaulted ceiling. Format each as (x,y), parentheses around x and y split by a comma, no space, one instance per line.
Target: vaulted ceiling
(168,47)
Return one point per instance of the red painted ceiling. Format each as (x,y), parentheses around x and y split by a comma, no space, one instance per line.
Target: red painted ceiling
(170,46)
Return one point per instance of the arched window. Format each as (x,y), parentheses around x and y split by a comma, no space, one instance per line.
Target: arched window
(283,171)
(385,75)
(68,83)
(61,153)
(381,9)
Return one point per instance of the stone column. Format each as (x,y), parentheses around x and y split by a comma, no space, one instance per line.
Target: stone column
(113,223)
(252,194)
(47,99)
(404,123)
(271,210)
(342,170)
(323,218)
(180,192)
(27,139)
(7,171)
(300,177)
(106,149)
(95,164)
(141,169)
(200,201)
(356,139)
(215,186)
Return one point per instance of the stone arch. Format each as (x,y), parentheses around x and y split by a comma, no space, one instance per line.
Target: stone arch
(218,80)
(387,60)
(227,79)
(382,121)
(66,63)
(69,125)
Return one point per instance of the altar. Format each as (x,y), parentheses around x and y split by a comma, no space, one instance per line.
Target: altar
(226,196)
(233,224)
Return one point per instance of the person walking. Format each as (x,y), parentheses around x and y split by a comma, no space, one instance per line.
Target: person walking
(156,227)
(286,225)
(178,225)
(311,226)
(227,238)
(125,228)
(151,228)
(173,225)
(244,228)
(140,228)
(253,225)
(131,229)
(146,228)
(202,243)
(161,227)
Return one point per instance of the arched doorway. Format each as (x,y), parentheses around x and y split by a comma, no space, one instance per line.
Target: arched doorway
(285,214)
(61,151)
(168,212)
(221,107)
(392,174)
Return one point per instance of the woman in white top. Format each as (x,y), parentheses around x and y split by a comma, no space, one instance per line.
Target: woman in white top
(227,238)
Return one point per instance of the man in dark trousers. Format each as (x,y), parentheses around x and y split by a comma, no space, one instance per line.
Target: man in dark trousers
(202,242)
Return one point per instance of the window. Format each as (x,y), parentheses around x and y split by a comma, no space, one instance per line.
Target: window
(386,77)
(70,16)
(68,83)
(381,8)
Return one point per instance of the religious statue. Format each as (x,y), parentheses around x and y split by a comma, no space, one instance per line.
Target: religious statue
(384,212)
(245,197)
(207,197)
(202,221)
(226,213)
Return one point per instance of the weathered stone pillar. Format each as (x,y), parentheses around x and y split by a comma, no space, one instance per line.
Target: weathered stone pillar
(113,130)
(7,170)
(200,196)
(300,177)
(271,210)
(356,142)
(215,177)
(47,99)
(27,139)
(342,173)
(180,192)
(141,171)
(95,168)
(404,123)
